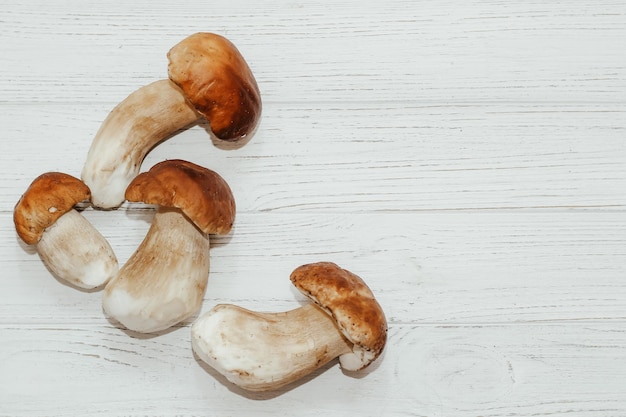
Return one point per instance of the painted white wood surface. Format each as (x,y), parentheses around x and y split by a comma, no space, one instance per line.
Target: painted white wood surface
(467,159)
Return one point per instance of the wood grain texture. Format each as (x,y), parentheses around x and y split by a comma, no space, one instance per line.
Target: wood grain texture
(355,158)
(466,159)
(427,370)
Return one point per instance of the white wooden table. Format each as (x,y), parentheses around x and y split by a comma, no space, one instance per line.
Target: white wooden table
(467,159)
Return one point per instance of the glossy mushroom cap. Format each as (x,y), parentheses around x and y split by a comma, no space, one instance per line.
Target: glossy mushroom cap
(201,194)
(217,81)
(50,196)
(346,298)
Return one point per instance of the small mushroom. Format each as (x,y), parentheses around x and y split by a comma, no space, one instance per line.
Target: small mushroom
(70,246)
(164,280)
(208,78)
(265,351)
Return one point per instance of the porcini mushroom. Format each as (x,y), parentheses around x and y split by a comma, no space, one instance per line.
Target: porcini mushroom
(208,78)
(70,246)
(265,351)
(164,280)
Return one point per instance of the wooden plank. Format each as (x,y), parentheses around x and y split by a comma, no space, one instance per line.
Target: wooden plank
(368,157)
(532,369)
(452,267)
(426,51)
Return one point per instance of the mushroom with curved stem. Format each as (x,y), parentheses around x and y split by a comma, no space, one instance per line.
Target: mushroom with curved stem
(70,246)
(164,280)
(208,79)
(266,351)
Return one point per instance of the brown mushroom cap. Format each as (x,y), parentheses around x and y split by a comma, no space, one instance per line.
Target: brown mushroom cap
(201,194)
(350,302)
(217,81)
(49,196)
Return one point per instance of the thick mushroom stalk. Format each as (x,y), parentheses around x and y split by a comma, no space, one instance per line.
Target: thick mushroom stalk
(135,126)
(266,351)
(164,281)
(208,79)
(68,244)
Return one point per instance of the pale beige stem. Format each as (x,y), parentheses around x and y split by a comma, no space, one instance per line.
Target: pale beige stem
(265,351)
(137,124)
(164,281)
(75,251)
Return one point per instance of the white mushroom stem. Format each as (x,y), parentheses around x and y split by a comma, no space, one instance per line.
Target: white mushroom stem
(76,252)
(265,351)
(146,117)
(164,281)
